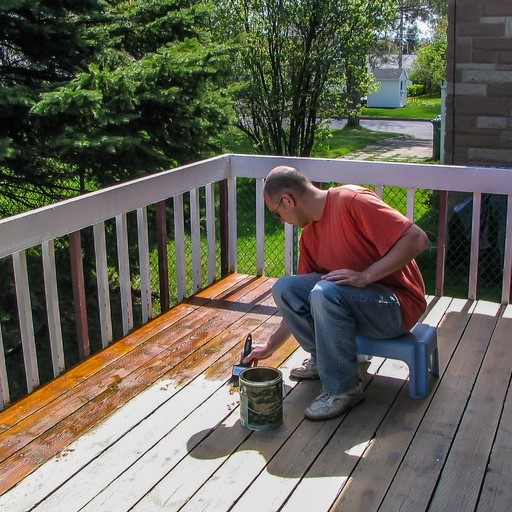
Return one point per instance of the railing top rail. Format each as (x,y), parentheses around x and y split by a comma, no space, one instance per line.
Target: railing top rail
(492,180)
(36,226)
(77,213)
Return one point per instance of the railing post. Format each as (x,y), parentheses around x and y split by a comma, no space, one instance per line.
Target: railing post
(163,262)
(77,279)
(441,242)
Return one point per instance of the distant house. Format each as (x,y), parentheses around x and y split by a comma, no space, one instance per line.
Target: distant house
(392,91)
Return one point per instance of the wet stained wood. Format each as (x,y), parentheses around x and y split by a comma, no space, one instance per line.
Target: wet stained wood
(50,429)
(151,423)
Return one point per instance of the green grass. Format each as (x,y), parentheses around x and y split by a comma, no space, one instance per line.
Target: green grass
(421,107)
(330,144)
(341,141)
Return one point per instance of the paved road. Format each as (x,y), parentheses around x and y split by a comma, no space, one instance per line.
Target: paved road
(419,129)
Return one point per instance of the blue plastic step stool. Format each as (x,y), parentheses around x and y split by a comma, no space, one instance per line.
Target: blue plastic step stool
(417,348)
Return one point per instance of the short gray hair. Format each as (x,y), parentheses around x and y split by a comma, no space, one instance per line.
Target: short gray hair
(285,179)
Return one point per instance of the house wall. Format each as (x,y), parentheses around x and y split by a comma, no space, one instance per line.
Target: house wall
(388,95)
(479,83)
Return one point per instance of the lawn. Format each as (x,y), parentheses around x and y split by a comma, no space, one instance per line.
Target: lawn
(340,141)
(420,107)
(329,144)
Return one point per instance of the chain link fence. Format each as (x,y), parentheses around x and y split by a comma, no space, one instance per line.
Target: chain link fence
(426,215)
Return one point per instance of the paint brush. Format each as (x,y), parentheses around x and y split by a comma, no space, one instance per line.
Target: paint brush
(238,368)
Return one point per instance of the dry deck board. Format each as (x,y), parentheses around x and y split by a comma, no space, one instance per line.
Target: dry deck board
(498,478)
(477,431)
(416,478)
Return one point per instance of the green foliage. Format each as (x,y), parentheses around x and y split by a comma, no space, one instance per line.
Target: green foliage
(150,96)
(429,67)
(298,63)
(42,43)
(415,90)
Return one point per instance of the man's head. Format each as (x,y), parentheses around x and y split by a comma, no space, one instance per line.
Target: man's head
(284,179)
(289,194)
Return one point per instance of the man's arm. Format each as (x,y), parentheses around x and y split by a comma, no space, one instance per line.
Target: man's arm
(412,242)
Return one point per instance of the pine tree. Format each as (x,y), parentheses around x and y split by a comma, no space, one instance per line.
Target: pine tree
(42,43)
(149,95)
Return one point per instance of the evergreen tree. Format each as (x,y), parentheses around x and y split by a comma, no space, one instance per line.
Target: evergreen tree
(148,97)
(42,43)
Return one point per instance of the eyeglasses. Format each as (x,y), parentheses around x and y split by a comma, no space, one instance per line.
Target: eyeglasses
(275,212)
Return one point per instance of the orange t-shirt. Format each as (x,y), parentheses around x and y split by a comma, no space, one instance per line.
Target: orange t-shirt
(357,228)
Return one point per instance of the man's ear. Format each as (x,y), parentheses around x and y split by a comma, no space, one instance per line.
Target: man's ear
(290,198)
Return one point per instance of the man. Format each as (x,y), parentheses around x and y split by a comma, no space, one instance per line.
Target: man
(356,274)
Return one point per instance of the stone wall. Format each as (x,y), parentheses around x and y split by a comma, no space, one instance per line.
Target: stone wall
(479,83)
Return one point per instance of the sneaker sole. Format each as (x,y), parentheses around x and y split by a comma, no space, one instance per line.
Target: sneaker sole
(329,416)
(304,377)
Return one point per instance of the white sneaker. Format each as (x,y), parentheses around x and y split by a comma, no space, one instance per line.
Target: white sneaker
(307,370)
(329,405)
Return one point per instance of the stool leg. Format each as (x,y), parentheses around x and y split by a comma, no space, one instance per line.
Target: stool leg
(434,362)
(418,373)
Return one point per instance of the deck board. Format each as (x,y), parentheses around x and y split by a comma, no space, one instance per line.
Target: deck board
(150,423)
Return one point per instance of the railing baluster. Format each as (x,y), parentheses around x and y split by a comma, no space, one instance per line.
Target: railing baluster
(79,302)
(475,245)
(507,263)
(25,318)
(195,236)
(232,230)
(441,242)
(52,307)
(100,251)
(260,228)
(410,203)
(4,381)
(210,232)
(124,272)
(163,263)
(288,248)
(145,278)
(224,227)
(179,243)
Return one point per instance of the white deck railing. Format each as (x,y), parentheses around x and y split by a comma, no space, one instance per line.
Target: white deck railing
(40,229)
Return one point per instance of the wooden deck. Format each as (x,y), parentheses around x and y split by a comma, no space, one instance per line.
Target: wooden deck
(150,423)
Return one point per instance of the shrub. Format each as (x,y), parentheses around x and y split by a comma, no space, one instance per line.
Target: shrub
(415,90)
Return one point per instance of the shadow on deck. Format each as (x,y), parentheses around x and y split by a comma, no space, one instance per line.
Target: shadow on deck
(150,423)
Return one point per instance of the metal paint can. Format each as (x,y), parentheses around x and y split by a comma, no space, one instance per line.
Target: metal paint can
(261,398)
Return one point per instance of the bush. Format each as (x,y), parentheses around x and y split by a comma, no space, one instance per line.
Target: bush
(415,90)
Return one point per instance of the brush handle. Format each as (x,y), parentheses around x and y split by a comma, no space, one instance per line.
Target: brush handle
(247,346)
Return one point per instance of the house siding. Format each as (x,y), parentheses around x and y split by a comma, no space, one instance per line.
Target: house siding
(479,83)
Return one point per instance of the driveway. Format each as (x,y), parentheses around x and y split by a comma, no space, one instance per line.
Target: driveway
(414,146)
(419,129)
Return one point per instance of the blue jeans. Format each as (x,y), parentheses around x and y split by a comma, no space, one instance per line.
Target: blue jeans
(324,318)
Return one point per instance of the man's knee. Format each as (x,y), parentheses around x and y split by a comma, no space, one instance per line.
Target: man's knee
(325,290)
(281,286)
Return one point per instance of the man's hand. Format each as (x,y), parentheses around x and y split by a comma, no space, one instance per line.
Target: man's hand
(346,276)
(281,334)
(258,352)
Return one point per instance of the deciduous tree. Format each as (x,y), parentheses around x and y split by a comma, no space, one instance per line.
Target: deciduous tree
(298,61)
